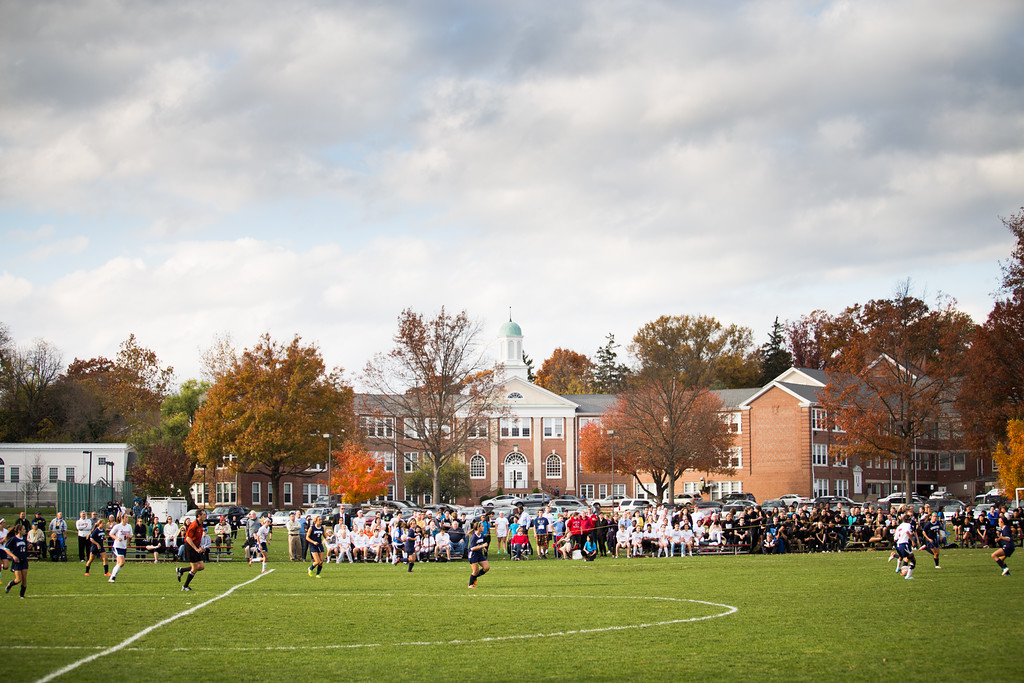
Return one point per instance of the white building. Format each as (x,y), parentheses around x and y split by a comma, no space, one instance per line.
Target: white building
(29,472)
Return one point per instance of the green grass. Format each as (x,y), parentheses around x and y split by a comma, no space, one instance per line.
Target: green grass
(797,617)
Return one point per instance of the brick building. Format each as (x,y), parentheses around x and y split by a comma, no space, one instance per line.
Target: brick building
(782,445)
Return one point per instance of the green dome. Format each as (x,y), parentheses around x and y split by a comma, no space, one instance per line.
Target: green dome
(510,329)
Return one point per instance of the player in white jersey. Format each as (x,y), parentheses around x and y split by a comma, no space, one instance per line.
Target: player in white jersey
(904,535)
(121,533)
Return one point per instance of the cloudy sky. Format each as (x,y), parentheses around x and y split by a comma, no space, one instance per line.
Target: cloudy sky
(182,170)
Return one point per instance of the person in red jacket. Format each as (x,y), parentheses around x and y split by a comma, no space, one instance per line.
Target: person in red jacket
(589,524)
(576,530)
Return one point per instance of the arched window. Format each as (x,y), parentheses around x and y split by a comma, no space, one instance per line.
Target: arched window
(553,466)
(477,467)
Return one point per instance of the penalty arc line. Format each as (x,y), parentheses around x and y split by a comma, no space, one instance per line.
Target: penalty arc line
(128,641)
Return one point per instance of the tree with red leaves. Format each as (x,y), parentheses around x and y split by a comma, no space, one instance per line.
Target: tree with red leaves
(358,475)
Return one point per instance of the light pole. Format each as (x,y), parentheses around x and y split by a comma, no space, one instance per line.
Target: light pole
(329,458)
(109,464)
(89,453)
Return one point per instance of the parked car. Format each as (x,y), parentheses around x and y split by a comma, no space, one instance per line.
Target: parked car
(281,516)
(234,513)
(947,507)
(567,506)
(324,512)
(609,502)
(535,500)
(738,506)
(505,499)
(633,504)
(738,496)
(775,504)
(833,501)
(792,498)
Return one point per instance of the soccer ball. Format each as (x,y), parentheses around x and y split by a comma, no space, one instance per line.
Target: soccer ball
(904,569)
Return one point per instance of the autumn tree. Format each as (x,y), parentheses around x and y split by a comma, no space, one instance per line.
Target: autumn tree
(1009,458)
(697,351)
(895,381)
(610,376)
(663,430)
(566,372)
(267,406)
(438,384)
(775,359)
(1013,269)
(357,474)
(815,340)
(163,463)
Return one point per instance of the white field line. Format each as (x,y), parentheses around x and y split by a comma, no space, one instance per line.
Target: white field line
(128,641)
(729,609)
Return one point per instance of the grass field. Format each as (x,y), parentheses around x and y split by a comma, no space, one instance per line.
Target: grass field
(791,617)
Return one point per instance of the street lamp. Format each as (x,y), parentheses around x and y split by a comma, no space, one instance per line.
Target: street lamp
(611,496)
(89,453)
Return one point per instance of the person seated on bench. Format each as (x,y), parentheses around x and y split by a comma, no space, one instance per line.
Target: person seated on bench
(37,540)
(520,542)
(223,533)
(770,546)
(442,546)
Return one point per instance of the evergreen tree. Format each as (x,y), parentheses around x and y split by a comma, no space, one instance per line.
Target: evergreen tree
(775,359)
(610,376)
(528,362)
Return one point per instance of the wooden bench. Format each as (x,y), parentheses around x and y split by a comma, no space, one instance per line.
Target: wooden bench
(724,549)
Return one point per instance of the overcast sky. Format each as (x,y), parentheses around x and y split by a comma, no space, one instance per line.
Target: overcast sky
(181,170)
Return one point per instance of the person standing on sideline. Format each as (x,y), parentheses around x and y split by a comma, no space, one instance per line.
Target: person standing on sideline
(252,525)
(17,550)
(97,538)
(120,532)
(304,524)
(478,565)
(293,527)
(83,526)
(193,549)
(59,529)
(1004,537)
(315,543)
(501,531)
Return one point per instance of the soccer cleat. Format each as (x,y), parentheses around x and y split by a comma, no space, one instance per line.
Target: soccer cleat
(316,575)
(471,586)
(87,573)
(263,571)
(310,572)
(1006,572)
(110,580)
(908,577)
(178,571)
(8,589)
(892,556)
(938,567)
(106,573)
(186,589)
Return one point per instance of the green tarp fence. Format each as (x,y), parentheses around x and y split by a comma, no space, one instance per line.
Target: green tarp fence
(71,498)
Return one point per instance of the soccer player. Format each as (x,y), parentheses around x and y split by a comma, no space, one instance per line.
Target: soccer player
(542,529)
(1004,537)
(97,537)
(193,549)
(904,545)
(478,565)
(932,529)
(409,537)
(260,540)
(120,532)
(315,543)
(17,550)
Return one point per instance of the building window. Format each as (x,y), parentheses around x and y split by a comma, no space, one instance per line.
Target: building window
(54,474)
(553,467)
(388,458)
(514,396)
(37,475)
(619,490)
(69,474)
(477,429)
(584,421)
(818,419)
(411,460)
(995,468)
(409,428)
(513,428)
(820,487)
(477,467)
(255,493)
(225,460)
(226,492)
(428,499)
(15,474)
(736,458)
(310,492)
(720,488)
(554,427)
(944,462)
(841,462)
(3,476)
(286,492)
(819,456)
(735,422)
(377,427)
(586,491)
(959,461)
(391,492)
(200,494)
(842,487)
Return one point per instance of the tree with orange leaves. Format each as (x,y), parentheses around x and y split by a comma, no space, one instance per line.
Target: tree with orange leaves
(358,475)
(567,372)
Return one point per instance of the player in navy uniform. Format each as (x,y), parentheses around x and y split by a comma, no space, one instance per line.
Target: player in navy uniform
(409,536)
(17,550)
(542,529)
(97,537)
(477,554)
(1004,537)
(932,529)
(315,541)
